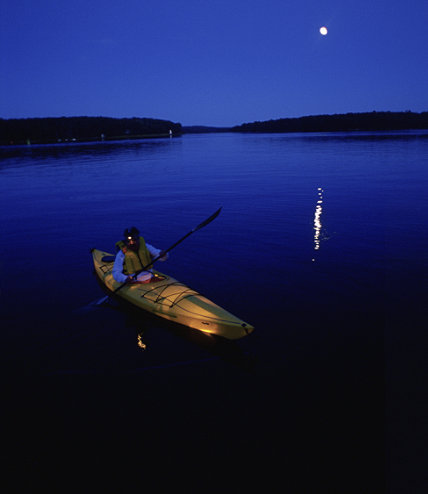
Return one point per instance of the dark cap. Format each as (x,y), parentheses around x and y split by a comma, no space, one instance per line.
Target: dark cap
(131,233)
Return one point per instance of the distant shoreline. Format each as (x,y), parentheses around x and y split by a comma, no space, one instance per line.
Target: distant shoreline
(52,130)
(373,121)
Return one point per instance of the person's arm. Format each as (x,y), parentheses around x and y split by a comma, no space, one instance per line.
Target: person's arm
(156,252)
(118,268)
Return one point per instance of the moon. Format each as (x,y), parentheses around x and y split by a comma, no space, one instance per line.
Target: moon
(323,30)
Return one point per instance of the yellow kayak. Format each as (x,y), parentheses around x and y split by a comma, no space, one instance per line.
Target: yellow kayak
(170,299)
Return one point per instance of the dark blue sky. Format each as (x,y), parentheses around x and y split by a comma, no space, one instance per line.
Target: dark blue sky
(212,62)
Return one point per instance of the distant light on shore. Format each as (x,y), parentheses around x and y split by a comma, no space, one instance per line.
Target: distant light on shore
(323,30)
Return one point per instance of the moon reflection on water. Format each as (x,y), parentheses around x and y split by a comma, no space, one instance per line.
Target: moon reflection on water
(317,220)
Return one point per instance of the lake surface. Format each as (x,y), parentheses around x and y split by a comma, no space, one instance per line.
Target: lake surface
(321,245)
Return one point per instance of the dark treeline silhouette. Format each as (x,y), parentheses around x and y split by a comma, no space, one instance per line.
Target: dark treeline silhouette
(67,129)
(48,130)
(341,122)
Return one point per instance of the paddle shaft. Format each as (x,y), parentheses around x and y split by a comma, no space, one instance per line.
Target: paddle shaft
(164,252)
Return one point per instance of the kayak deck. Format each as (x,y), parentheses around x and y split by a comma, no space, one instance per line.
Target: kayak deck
(168,298)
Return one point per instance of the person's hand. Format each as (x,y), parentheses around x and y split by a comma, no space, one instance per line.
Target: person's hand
(163,256)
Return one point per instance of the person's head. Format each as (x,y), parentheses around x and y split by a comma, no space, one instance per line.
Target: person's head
(132,236)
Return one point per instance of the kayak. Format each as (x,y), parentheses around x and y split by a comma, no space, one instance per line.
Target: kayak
(172,300)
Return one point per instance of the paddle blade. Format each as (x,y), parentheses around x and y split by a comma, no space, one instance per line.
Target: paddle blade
(208,220)
(92,305)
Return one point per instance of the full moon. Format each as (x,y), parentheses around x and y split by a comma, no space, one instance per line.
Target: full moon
(323,30)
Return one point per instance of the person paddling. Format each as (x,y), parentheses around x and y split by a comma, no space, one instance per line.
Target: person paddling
(133,254)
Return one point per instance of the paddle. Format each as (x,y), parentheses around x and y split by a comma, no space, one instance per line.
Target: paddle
(164,252)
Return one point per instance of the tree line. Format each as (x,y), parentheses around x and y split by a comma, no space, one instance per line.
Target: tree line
(69,129)
(373,121)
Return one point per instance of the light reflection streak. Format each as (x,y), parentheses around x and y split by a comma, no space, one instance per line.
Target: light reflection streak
(317,220)
(140,341)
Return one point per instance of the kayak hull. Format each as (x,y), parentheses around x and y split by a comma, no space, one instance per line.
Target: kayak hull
(168,298)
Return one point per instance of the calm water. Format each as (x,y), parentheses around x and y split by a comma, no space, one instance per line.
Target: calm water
(321,245)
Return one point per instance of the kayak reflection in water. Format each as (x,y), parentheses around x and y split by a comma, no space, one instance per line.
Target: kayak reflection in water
(140,341)
(133,254)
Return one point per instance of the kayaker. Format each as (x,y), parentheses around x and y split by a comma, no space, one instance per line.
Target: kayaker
(133,254)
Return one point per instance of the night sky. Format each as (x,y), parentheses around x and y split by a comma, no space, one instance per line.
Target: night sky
(213,62)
